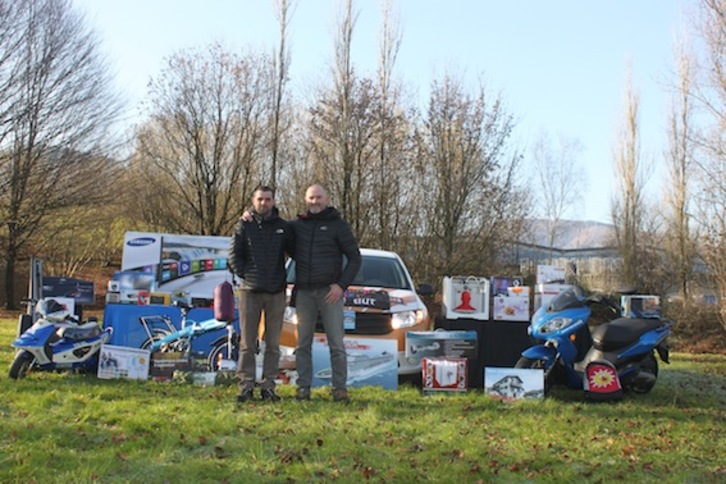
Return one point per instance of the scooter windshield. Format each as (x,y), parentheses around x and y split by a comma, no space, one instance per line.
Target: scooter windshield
(572,297)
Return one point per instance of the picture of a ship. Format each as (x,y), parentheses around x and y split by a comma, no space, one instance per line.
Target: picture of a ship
(362,366)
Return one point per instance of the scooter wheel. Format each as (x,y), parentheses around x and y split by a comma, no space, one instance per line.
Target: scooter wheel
(21,365)
(645,380)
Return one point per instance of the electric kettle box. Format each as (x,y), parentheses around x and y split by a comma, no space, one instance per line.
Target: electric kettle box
(444,375)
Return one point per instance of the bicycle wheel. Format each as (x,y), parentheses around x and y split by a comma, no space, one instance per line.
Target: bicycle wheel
(156,335)
(220,352)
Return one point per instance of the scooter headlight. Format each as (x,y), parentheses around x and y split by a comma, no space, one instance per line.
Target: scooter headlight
(555,324)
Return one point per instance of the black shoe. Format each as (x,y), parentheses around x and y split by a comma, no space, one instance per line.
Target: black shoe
(269,395)
(303,393)
(245,395)
(340,395)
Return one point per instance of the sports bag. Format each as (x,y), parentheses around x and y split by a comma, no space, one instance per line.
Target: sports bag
(224,302)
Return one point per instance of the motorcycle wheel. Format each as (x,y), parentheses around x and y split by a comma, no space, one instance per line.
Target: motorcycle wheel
(648,365)
(530,364)
(156,335)
(219,350)
(21,365)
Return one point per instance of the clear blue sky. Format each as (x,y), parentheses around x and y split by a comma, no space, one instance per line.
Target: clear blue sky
(560,65)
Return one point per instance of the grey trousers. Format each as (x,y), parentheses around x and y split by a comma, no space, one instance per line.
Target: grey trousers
(309,304)
(251,307)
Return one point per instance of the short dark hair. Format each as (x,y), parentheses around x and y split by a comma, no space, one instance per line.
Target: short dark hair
(263,188)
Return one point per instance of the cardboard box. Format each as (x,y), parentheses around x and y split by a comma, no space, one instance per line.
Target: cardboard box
(161,298)
(544,293)
(123,362)
(444,374)
(511,308)
(514,383)
(163,365)
(641,306)
(550,274)
(466,297)
(442,344)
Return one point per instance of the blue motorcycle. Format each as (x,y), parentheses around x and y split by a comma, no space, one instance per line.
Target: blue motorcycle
(565,344)
(57,341)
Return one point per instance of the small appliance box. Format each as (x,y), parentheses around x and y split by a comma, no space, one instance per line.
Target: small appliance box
(123,362)
(550,274)
(163,365)
(544,293)
(512,306)
(641,306)
(437,344)
(444,374)
(466,297)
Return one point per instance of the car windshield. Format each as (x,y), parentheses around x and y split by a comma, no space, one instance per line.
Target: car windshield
(375,271)
(570,298)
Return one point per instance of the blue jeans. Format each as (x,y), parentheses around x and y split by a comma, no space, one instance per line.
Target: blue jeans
(251,307)
(310,303)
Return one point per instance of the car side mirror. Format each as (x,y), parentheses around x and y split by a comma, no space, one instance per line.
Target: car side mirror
(425,289)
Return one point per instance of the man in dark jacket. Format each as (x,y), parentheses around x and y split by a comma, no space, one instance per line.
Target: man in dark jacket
(257,257)
(322,240)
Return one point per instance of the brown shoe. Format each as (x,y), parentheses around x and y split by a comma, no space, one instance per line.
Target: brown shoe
(340,395)
(303,393)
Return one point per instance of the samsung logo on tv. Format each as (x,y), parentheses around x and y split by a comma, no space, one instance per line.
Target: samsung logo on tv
(141,241)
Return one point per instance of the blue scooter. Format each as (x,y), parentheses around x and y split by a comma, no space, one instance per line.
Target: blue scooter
(566,345)
(57,341)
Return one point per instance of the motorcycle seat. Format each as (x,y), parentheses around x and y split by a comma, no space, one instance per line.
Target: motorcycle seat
(621,332)
(80,332)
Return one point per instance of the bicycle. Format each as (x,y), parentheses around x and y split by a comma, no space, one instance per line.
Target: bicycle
(164,337)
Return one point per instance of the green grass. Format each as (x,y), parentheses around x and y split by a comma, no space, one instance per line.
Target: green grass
(59,427)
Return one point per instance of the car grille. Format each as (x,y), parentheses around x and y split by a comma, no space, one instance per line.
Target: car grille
(366,323)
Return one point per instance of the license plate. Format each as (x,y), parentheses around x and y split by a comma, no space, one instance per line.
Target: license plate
(348,319)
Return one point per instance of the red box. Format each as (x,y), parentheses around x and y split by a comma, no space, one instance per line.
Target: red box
(445,374)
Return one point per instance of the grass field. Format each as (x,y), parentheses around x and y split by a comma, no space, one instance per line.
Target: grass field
(59,427)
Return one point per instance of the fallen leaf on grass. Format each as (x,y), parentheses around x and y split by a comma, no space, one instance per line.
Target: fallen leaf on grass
(202,440)
(118,438)
(368,472)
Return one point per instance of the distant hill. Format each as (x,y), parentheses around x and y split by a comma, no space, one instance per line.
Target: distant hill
(571,234)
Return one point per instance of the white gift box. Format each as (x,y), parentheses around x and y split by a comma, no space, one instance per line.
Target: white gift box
(466,297)
(544,293)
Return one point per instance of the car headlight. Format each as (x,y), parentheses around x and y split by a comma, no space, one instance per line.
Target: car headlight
(290,315)
(406,319)
(555,324)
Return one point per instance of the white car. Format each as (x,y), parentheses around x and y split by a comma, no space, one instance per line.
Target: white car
(382,302)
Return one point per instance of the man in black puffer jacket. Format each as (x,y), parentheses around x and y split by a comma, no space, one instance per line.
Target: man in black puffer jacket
(257,257)
(322,239)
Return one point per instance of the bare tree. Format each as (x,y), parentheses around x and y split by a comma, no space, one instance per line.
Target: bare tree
(680,239)
(283,11)
(628,203)
(466,175)
(342,125)
(710,91)
(200,149)
(391,187)
(560,177)
(56,117)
